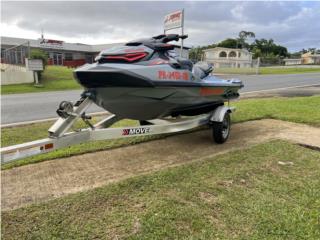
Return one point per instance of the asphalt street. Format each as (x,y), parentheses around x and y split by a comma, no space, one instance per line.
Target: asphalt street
(36,106)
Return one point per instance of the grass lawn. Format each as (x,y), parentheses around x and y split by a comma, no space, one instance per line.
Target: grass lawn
(300,110)
(244,194)
(297,109)
(266,70)
(270,70)
(54,78)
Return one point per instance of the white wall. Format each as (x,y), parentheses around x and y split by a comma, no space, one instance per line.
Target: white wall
(16,77)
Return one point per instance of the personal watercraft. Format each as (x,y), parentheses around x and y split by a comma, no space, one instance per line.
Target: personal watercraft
(146,79)
(143,80)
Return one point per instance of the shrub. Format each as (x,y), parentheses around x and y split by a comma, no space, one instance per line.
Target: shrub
(39,54)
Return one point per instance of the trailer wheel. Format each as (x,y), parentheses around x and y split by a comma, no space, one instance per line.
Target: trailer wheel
(221,130)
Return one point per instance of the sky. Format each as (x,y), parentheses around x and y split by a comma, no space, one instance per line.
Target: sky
(295,25)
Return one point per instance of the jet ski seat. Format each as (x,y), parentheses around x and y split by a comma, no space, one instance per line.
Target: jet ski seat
(202,69)
(185,63)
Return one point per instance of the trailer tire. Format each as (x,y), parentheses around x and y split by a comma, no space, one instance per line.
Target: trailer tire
(221,130)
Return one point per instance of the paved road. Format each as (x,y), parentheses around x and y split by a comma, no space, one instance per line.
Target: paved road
(36,106)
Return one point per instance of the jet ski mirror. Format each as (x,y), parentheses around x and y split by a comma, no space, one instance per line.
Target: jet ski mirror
(183,36)
(174,37)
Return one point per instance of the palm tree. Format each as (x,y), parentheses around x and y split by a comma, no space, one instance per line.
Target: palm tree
(243,35)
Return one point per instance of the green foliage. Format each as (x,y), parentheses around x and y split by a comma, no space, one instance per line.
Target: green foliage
(294,55)
(228,43)
(267,48)
(39,54)
(243,35)
(297,109)
(195,54)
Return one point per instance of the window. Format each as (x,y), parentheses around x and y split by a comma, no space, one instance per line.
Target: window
(232,54)
(2,52)
(68,56)
(223,54)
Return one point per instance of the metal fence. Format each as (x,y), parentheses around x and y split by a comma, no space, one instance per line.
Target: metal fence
(16,55)
(252,68)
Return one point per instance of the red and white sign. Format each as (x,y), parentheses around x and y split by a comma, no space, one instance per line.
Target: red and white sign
(50,43)
(173,20)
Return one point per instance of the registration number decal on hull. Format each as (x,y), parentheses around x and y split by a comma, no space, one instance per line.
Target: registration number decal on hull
(173,75)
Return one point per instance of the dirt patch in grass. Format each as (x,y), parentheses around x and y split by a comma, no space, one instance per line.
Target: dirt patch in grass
(36,183)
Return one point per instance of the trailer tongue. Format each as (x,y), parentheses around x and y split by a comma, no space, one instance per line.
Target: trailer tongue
(59,138)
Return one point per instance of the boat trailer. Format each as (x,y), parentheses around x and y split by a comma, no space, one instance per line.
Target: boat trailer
(59,138)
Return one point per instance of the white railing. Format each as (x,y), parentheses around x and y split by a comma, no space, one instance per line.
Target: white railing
(12,68)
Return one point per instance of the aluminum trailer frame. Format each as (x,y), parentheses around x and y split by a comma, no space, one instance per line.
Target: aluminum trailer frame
(59,138)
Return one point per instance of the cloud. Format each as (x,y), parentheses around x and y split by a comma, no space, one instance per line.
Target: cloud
(293,24)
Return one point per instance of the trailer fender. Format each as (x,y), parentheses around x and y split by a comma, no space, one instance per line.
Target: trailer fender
(219,112)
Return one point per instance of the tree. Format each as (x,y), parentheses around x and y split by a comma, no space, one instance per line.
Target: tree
(268,48)
(39,54)
(294,55)
(303,51)
(195,54)
(243,35)
(312,50)
(229,43)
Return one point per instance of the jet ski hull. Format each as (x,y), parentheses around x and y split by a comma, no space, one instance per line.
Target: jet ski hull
(144,93)
(144,103)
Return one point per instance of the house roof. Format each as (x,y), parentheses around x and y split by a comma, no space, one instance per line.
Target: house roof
(36,43)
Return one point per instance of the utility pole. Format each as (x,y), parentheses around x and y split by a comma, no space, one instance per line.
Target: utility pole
(182,32)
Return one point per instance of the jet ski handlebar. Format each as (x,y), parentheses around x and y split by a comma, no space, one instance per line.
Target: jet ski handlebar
(164,38)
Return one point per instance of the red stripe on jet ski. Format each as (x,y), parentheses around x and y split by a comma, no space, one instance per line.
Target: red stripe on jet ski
(129,57)
(211,91)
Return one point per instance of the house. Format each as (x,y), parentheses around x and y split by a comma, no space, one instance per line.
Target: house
(310,58)
(306,58)
(228,57)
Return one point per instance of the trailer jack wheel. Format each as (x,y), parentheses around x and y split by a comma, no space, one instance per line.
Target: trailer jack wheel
(221,130)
